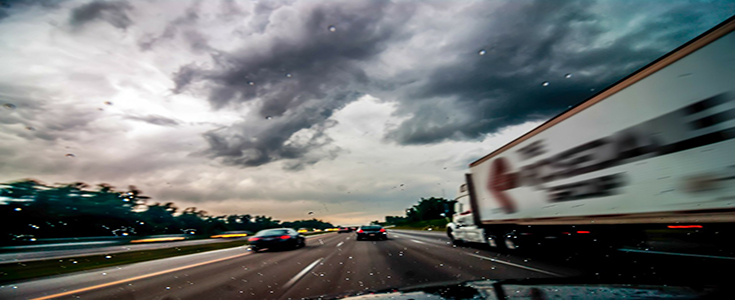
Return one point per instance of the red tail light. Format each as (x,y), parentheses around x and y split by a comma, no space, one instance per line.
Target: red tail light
(285,237)
(382,229)
(583,231)
(359,231)
(684,226)
(253,239)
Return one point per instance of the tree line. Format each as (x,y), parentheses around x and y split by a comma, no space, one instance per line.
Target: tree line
(426,209)
(30,209)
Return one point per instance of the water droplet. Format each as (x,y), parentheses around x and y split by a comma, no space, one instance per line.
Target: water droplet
(288,75)
(108,103)
(347,279)
(331,28)
(9,106)
(30,128)
(482,52)
(168,287)
(545,83)
(311,212)
(568,75)
(108,256)
(70,155)
(18,209)
(74,262)
(103,274)
(268,117)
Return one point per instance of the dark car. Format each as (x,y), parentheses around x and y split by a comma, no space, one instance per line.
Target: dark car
(279,238)
(372,232)
(344,230)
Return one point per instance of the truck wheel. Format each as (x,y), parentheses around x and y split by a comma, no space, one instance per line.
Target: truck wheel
(494,242)
(510,242)
(455,242)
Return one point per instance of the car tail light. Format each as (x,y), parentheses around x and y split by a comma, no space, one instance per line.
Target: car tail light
(285,237)
(382,229)
(582,231)
(359,231)
(253,239)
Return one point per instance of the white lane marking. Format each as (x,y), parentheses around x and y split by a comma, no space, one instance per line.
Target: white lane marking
(514,265)
(677,254)
(138,277)
(420,242)
(340,244)
(302,273)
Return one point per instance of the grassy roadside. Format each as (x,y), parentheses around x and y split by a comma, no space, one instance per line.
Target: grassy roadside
(433,225)
(33,269)
(10,272)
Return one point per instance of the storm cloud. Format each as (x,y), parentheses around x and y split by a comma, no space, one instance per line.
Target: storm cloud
(113,12)
(501,64)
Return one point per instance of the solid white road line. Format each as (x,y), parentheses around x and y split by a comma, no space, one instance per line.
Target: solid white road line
(677,254)
(420,242)
(302,273)
(340,244)
(514,265)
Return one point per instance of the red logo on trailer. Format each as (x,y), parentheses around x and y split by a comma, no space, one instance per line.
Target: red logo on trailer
(502,179)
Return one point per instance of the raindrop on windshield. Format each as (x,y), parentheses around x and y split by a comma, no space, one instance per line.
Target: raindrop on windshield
(70,155)
(108,256)
(30,128)
(289,75)
(482,52)
(18,209)
(9,106)
(568,75)
(108,103)
(545,83)
(251,83)
(268,117)
(332,28)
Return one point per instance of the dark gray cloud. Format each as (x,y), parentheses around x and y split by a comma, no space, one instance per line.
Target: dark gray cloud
(302,72)
(155,120)
(113,12)
(8,7)
(297,79)
(539,43)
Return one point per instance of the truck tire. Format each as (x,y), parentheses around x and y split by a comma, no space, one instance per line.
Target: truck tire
(455,242)
(510,242)
(494,242)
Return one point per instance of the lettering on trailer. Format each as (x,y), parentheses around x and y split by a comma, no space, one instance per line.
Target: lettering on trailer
(689,127)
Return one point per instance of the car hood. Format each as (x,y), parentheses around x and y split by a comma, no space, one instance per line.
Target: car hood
(538,290)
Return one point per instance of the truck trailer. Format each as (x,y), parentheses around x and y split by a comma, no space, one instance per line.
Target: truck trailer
(647,161)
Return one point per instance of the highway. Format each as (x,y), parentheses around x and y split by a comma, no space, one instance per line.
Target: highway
(333,265)
(330,265)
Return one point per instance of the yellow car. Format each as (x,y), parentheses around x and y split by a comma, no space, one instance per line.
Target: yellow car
(303,230)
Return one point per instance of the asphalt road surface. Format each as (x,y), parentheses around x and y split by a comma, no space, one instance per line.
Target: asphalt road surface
(330,265)
(333,265)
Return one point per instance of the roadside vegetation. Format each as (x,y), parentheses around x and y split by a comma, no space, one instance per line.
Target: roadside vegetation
(428,214)
(31,211)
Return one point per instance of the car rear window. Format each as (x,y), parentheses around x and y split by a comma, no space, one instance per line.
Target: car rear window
(272,232)
(371,227)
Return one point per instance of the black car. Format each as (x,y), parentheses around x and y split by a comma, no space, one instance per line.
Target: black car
(344,230)
(372,232)
(278,238)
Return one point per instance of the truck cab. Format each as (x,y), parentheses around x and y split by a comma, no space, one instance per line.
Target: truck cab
(463,228)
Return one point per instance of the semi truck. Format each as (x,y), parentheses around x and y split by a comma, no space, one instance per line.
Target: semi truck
(647,161)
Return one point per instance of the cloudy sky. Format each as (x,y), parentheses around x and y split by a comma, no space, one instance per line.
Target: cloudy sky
(352,110)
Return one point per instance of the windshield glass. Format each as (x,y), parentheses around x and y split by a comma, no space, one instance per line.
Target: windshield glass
(144,143)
